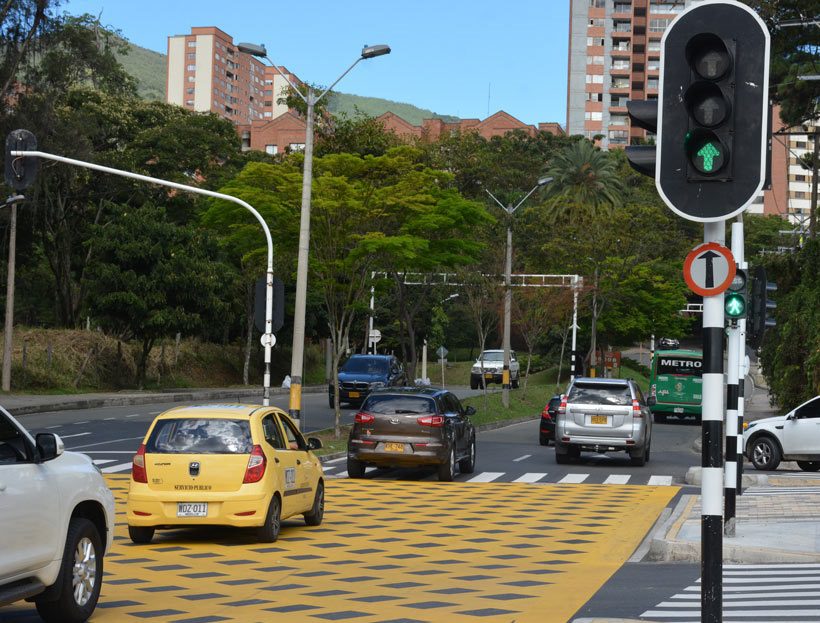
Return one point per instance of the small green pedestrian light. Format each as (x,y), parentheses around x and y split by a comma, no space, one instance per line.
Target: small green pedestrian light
(708,152)
(734,305)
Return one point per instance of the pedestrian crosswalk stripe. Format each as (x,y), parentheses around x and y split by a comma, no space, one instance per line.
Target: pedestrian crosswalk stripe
(104,461)
(617,479)
(754,593)
(522,458)
(530,477)
(760,491)
(573,479)
(664,481)
(116,468)
(486,477)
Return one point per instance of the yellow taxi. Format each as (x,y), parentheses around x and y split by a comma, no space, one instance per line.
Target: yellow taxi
(224,464)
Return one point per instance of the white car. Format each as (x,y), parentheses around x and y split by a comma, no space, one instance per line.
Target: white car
(56,523)
(791,437)
(490,367)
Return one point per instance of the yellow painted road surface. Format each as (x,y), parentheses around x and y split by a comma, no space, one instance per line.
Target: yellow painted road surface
(409,552)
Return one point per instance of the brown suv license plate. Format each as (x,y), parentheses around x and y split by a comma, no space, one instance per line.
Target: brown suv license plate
(393,447)
(598,419)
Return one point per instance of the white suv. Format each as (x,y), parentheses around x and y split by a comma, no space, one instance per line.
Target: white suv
(56,523)
(791,437)
(490,367)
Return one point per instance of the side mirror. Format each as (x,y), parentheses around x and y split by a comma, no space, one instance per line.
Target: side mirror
(314,443)
(469,410)
(49,446)
(651,401)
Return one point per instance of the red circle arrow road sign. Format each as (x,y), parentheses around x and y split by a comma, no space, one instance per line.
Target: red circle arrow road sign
(709,269)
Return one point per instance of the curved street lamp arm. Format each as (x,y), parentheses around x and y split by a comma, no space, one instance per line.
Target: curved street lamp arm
(503,207)
(347,71)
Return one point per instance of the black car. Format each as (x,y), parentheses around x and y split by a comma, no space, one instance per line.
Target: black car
(546,427)
(361,374)
(412,427)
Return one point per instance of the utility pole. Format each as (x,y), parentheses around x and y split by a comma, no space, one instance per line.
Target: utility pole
(9,326)
(813,209)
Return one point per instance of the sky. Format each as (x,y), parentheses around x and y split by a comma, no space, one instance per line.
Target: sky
(454,57)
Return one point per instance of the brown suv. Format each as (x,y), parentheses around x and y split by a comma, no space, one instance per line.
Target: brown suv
(409,427)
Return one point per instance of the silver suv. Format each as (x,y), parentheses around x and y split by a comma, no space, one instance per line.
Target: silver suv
(603,415)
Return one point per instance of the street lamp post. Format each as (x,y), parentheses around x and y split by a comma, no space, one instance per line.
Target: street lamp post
(7,334)
(310,100)
(509,209)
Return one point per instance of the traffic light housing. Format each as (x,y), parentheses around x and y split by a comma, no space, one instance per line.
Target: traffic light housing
(762,307)
(713,110)
(735,301)
(278,308)
(643,114)
(20,171)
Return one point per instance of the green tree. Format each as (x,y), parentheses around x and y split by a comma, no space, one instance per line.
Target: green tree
(151,279)
(358,134)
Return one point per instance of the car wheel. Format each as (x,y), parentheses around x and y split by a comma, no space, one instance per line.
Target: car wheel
(809,466)
(514,383)
(561,459)
(648,448)
(268,532)
(330,402)
(80,577)
(140,534)
(355,469)
(467,465)
(639,459)
(544,441)
(447,470)
(317,511)
(765,454)
(473,383)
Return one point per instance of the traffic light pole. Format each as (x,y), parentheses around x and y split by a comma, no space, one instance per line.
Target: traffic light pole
(711,595)
(738,246)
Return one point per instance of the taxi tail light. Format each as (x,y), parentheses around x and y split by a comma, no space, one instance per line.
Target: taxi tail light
(364,418)
(138,465)
(436,421)
(256,466)
(636,409)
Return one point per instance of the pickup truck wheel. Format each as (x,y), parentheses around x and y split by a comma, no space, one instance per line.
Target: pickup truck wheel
(140,535)
(80,577)
(514,383)
(473,383)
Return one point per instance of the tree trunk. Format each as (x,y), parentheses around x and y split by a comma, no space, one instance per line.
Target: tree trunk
(527,375)
(594,326)
(147,345)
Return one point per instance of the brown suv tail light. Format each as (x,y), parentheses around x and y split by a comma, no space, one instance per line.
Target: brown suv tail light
(436,421)
(364,418)
(636,409)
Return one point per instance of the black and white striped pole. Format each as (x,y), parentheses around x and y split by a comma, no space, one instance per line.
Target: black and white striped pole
(712,449)
(738,246)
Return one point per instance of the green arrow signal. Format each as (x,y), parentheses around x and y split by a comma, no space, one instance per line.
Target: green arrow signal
(708,152)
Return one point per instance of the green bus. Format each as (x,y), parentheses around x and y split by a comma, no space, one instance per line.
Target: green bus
(675,383)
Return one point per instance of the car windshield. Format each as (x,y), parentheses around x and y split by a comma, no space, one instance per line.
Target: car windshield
(492,357)
(200,436)
(365,365)
(397,405)
(600,394)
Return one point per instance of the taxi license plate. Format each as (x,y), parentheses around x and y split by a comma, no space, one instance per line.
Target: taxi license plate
(598,419)
(394,447)
(353,394)
(192,509)
(488,375)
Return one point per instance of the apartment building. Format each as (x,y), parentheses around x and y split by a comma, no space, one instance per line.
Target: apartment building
(206,72)
(800,178)
(614,56)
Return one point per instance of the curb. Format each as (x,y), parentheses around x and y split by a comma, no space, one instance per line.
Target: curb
(693,477)
(176,396)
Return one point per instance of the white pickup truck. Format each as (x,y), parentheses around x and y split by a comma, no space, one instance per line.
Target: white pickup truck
(490,367)
(56,523)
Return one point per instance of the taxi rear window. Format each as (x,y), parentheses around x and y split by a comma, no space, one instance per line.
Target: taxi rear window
(200,436)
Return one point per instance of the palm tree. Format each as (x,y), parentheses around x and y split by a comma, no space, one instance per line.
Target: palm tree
(586,187)
(585,183)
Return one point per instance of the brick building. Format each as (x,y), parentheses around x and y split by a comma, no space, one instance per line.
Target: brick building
(495,125)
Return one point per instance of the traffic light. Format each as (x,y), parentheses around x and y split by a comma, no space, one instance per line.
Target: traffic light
(762,306)
(735,300)
(643,114)
(20,171)
(713,110)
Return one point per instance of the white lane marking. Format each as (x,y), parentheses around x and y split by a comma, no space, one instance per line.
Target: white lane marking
(522,458)
(82,422)
(785,565)
(55,426)
(133,415)
(120,467)
(73,435)
(109,418)
(103,461)
(664,481)
(573,479)
(753,615)
(341,458)
(530,477)
(738,603)
(339,475)
(486,477)
(771,580)
(154,412)
(108,451)
(102,443)
(617,479)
